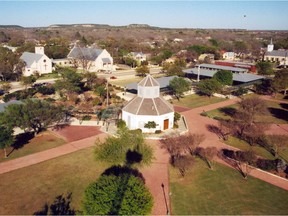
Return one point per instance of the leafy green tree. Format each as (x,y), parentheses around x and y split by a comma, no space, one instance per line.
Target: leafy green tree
(265,68)
(166,54)
(117,195)
(280,82)
(6,138)
(199,49)
(224,77)
(57,48)
(142,70)
(10,65)
(33,114)
(214,42)
(240,46)
(209,86)
(265,87)
(70,81)
(116,150)
(175,70)
(91,79)
(178,86)
(28,80)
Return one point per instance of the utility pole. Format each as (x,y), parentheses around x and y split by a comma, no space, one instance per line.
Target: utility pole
(198,74)
(107,95)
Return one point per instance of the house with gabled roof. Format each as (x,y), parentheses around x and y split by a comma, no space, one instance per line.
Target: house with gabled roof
(91,59)
(279,56)
(36,62)
(148,106)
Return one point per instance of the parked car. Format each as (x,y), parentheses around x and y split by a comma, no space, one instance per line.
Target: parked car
(113,77)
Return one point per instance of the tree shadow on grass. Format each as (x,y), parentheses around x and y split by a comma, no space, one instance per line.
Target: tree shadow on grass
(60,206)
(21,140)
(229,111)
(279,113)
(121,170)
(284,105)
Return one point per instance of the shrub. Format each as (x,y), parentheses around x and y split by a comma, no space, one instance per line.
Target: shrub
(121,124)
(158,131)
(50,100)
(46,90)
(150,124)
(86,118)
(240,91)
(175,126)
(19,95)
(177,116)
(266,164)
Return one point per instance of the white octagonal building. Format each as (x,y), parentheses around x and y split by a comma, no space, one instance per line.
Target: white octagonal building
(147,106)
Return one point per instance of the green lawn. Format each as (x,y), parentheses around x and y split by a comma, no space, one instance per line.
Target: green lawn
(277,113)
(43,141)
(26,190)
(242,145)
(194,100)
(224,191)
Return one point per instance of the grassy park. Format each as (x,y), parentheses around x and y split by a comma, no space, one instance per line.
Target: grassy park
(277,113)
(224,192)
(26,190)
(194,100)
(25,146)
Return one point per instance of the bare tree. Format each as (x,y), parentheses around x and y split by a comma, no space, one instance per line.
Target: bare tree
(222,130)
(192,141)
(244,121)
(277,143)
(208,154)
(182,144)
(244,160)
(184,163)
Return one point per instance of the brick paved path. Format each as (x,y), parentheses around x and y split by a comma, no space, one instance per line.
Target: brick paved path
(157,173)
(198,124)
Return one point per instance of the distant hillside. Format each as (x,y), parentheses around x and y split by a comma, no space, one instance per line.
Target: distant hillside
(10,26)
(80,25)
(100,26)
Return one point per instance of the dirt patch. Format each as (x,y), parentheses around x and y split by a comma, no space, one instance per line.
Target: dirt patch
(73,133)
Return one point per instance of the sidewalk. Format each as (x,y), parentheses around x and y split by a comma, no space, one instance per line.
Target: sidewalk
(49,154)
(198,124)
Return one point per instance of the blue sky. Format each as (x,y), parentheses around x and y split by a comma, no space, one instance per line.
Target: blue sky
(264,15)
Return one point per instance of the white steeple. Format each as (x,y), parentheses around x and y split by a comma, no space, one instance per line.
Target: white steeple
(270,46)
(148,87)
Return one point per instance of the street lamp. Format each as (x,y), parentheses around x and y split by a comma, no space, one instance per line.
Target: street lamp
(167,208)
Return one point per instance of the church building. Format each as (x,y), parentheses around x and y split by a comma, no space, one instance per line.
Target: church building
(148,106)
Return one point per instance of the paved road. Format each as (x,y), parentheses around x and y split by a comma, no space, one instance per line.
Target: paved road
(120,74)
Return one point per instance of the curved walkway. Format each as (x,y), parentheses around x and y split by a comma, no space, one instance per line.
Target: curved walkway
(198,124)
(156,174)
(49,154)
